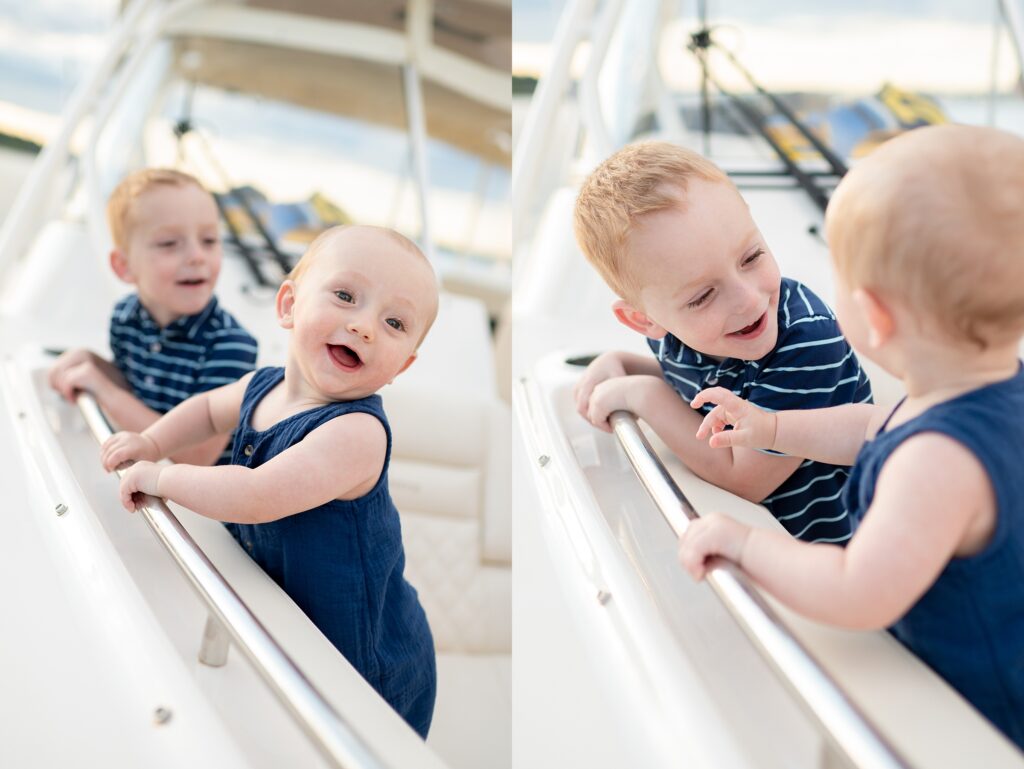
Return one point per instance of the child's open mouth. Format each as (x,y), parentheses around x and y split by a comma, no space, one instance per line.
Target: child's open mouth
(345,357)
(192,282)
(754,330)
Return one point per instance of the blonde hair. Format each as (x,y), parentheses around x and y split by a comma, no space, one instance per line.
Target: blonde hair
(327,238)
(639,179)
(934,219)
(119,206)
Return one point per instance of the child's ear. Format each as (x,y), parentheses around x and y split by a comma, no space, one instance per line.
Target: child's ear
(404,366)
(878,317)
(285,304)
(630,317)
(119,264)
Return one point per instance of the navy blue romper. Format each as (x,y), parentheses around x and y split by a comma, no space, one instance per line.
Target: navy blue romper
(969,625)
(342,562)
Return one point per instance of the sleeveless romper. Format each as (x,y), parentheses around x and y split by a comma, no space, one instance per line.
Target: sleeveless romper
(969,625)
(342,562)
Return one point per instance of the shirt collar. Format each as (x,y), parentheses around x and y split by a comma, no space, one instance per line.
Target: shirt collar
(670,348)
(187,325)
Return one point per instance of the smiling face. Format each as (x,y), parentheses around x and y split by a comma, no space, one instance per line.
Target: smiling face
(706,275)
(357,313)
(172,251)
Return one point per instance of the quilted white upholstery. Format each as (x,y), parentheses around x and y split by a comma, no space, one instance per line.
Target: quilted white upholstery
(451,481)
(468,602)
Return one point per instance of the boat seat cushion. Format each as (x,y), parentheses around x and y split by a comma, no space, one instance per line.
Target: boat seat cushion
(450,480)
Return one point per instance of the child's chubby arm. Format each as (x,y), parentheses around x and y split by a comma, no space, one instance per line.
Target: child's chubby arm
(917,522)
(607,366)
(78,370)
(194,430)
(742,471)
(341,459)
(833,435)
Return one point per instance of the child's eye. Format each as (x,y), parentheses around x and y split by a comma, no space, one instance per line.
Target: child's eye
(700,299)
(396,324)
(344,296)
(754,256)
(211,241)
(167,243)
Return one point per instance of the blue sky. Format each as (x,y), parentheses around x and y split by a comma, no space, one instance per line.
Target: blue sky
(533,21)
(46,44)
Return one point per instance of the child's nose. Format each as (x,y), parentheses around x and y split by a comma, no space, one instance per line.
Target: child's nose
(361,326)
(195,251)
(749,298)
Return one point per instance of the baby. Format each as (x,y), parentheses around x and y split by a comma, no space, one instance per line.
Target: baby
(670,234)
(927,238)
(308,483)
(170,339)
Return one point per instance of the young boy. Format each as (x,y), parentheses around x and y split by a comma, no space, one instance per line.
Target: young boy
(670,234)
(927,237)
(307,487)
(170,340)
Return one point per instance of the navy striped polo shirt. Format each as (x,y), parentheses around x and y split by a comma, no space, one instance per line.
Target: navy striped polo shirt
(190,355)
(812,366)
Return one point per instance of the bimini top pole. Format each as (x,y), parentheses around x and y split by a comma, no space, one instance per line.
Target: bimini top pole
(22,221)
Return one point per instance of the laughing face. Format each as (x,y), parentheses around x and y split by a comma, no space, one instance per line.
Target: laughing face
(173,253)
(707,275)
(357,314)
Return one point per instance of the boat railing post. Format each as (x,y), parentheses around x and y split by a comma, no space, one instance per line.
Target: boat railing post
(418,30)
(590,96)
(213,651)
(545,103)
(853,738)
(1014,16)
(95,197)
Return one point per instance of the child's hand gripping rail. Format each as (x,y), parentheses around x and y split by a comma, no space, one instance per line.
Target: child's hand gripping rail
(231,620)
(843,723)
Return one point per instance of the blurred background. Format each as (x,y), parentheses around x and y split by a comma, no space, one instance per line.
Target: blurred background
(299,166)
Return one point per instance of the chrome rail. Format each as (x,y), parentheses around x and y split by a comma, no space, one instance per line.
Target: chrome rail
(230,618)
(1013,16)
(847,728)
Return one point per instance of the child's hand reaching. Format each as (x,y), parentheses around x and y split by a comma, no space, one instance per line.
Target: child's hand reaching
(715,535)
(610,395)
(125,447)
(139,479)
(77,370)
(604,367)
(752,427)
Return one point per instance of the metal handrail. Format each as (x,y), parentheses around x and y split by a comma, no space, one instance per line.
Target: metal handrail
(335,739)
(845,725)
(1013,15)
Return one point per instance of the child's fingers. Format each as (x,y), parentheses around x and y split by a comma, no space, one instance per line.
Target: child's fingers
(583,401)
(126,495)
(713,421)
(717,395)
(599,419)
(726,438)
(113,454)
(691,557)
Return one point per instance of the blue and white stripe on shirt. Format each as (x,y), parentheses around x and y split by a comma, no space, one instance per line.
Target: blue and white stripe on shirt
(812,366)
(193,354)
